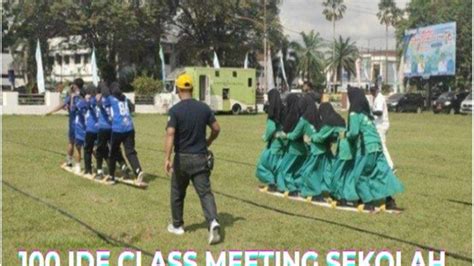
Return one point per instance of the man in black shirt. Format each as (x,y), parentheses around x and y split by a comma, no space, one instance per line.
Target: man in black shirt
(186,131)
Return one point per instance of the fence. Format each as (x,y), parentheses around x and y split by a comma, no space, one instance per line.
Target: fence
(31,99)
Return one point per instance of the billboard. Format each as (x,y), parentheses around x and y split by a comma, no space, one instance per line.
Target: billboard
(430,51)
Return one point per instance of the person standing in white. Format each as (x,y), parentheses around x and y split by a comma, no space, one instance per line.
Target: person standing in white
(380,111)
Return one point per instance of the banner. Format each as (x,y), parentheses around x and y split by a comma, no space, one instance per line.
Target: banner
(215,62)
(39,69)
(94,69)
(246,61)
(430,51)
(162,59)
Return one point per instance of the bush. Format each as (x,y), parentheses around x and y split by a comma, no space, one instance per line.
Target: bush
(147,86)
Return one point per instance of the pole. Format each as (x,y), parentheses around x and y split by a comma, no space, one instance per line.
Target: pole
(265,85)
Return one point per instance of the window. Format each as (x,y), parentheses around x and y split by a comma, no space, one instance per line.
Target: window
(225,94)
(77,59)
(250,82)
(66,59)
(59,60)
(86,59)
(234,74)
(217,73)
(167,58)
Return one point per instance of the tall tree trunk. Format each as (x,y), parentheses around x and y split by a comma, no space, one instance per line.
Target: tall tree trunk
(386,54)
(334,51)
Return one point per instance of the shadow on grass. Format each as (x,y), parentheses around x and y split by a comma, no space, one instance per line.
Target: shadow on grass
(226,220)
(101,235)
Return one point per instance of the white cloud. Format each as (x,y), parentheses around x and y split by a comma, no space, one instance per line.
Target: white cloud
(360,22)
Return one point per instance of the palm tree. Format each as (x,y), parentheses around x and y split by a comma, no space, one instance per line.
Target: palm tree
(388,15)
(309,55)
(344,57)
(333,11)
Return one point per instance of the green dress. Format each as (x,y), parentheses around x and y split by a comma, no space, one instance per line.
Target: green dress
(317,171)
(289,176)
(374,179)
(267,167)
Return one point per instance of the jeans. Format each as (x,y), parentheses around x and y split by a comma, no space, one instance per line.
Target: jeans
(191,167)
(128,140)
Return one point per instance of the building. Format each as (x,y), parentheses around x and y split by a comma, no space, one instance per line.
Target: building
(372,67)
(71,58)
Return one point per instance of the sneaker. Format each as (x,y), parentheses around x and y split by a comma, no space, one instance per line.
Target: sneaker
(342,203)
(369,207)
(77,169)
(69,164)
(214,233)
(125,172)
(272,188)
(177,231)
(99,176)
(140,177)
(391,205)
(318,198)
(293,194)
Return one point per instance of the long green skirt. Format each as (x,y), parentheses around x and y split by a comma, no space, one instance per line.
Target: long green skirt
(343,186)
(317,174)
(267,167)
(289,176)
(376,180)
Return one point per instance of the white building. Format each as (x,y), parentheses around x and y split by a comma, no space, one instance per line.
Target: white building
(71,58)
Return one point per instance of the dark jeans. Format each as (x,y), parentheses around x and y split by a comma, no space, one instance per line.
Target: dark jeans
(192,167)
(128,140)
(102,151)
(88,149)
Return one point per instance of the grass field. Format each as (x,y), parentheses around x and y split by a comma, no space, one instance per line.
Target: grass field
(46,208)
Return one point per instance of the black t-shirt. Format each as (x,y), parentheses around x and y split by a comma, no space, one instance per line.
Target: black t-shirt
(190,118)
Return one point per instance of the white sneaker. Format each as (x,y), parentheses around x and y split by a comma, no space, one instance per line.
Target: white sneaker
(140,177)
(77,169)
(214,233)
(177,231)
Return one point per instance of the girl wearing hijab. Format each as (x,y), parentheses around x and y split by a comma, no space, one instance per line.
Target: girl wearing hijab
(374,180)
(267,167)
(324,129)
(289,179)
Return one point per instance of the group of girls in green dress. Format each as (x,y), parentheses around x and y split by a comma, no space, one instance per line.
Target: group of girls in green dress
(311,153)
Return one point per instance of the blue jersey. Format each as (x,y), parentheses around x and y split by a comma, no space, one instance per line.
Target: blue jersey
(88,109)
(70,105)
(80,122)
(103,115)
(120,113)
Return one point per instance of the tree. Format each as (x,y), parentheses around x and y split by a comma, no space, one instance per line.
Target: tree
(333,11)
(389,15)
(310,57)
(231,28)
(345,56)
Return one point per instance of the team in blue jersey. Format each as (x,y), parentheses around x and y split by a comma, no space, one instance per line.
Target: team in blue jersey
(100,117)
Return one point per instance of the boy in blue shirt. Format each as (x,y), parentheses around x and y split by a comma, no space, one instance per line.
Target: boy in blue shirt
(122,132)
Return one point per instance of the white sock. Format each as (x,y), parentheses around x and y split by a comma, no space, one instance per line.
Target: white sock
(69,159)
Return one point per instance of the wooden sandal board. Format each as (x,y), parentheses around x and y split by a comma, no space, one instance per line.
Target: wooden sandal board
(331,204)
(131,182)
(91,177)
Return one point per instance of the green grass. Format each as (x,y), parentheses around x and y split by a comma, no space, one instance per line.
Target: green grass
(61,211)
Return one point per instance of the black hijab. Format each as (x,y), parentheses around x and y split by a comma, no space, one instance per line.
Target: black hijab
(116,91)
(310,111)
(292,113)
(275,107)
(330,117)
(103,89)
(358,102)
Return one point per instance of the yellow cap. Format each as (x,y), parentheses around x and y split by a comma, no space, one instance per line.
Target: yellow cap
(184,82)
